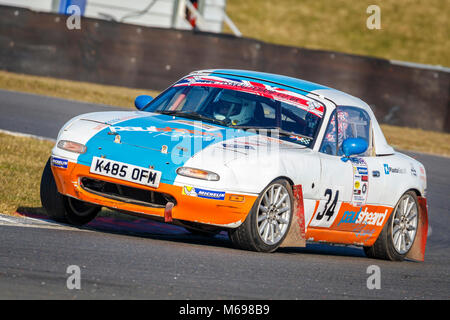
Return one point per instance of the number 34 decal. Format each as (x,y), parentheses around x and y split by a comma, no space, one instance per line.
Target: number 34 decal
(327,210)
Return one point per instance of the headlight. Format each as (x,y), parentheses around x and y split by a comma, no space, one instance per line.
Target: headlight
(198,174)
(71,146)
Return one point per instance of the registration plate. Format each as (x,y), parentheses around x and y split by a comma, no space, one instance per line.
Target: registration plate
(125,171)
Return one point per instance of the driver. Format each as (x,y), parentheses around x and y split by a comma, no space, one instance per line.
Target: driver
(229,107)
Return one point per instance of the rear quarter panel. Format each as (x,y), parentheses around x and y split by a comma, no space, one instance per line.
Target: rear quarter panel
(400,174)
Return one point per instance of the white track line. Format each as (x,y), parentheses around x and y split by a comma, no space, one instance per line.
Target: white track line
(25,135)
(27,222)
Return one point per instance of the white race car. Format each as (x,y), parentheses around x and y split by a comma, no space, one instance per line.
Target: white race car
(275,161)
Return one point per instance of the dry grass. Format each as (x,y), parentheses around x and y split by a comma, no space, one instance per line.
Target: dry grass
(21,163)
(417,140)
(22,160)
(72,90)
(411,30)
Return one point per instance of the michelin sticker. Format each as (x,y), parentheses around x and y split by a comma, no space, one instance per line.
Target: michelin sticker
(202,193)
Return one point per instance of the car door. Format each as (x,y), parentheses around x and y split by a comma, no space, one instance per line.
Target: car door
(355,182)
(335,182)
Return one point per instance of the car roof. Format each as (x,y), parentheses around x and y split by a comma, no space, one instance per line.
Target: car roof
(338,97)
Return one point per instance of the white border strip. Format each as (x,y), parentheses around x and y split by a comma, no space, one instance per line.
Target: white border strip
(26,135)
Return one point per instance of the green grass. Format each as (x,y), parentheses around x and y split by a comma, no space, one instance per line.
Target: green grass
(411,30)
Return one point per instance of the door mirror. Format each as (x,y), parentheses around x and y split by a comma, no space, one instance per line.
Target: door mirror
(141,101)
(353,146)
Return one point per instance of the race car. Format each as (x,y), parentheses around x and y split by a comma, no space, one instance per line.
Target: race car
(273,160)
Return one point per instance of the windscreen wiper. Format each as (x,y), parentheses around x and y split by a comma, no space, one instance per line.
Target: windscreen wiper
(191,115)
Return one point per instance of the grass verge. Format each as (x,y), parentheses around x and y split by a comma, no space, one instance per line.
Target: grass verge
(21,163)
(22,160)
(72,90)
(411,30)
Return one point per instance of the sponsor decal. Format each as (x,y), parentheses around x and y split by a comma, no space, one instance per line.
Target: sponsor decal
(364,217)
(360,181)
(358,161)
(413,171)
(362,170)
(169,130)
(237,146)
(264,90)
(389,170)
(361,232)
(303,140)
(59,163)
(364,188)
(203,193)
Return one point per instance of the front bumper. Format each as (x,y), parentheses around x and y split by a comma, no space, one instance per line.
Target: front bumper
(225,213)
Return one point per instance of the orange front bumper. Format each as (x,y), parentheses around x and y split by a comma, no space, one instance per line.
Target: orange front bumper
(208,211)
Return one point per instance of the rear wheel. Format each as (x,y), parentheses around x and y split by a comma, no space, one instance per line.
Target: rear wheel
(62,208)
(399,232)
(269,220)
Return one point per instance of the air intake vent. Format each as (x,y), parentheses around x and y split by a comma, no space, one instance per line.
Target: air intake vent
(126,194)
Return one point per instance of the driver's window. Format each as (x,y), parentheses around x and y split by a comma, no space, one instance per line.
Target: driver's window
(351,122)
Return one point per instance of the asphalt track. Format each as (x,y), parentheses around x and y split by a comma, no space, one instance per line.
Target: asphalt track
(120,261)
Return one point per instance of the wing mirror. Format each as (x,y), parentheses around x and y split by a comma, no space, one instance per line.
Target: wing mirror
(353,146)
(141,101)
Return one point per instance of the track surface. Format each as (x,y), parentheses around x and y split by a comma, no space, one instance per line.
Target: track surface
(168,263)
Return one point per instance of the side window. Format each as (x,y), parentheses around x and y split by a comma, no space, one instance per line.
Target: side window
(353,123)
(329,145)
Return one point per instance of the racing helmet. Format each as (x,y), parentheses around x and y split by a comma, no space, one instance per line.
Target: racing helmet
(229,106)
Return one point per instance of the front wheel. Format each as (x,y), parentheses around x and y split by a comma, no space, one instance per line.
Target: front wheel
(399,232)
(269,220)
(62,208)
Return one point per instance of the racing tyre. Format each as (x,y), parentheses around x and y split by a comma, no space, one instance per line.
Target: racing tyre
(399,233)
(61,208)
(269,220)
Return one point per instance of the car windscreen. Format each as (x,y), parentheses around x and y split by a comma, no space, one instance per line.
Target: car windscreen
(245,105)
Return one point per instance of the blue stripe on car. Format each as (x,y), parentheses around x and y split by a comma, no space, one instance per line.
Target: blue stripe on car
(141,145)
